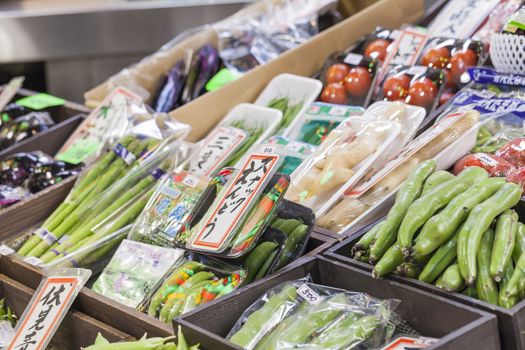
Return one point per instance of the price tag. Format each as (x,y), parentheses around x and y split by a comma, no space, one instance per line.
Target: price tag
(9,91)
(217,147)
(417,70)
(40,101)
(410,343)
(227,213)
(353,59)
(5,250)
(308,294)
(79,151)
(33,260)
(46,311)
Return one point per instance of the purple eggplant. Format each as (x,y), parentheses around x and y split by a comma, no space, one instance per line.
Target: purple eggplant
(171,90)
(209,65)
(191,79)
(10,195)
(24,127)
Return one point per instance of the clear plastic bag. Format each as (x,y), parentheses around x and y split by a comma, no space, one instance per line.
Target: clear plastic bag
(134,270)
(193,281)
(300,314)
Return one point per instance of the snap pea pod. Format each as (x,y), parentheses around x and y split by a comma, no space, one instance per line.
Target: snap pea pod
(310,322)
(193,299)
(519,244)
(348,333)
(486,288)
(366,240)
(506,228)
(266,266)
(181,298)
(478,222)
(436,179)
(452,280)
(504,300)
(291,244)
(289,225)
(470,292)
(513,287)
(442,226)
(407,194)
(263,320)
(277,222)
(440,260)
(408,269)
(256,259)
(388,263)
(425,206)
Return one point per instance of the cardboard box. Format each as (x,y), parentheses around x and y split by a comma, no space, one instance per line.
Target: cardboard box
(458,326)
(511,322)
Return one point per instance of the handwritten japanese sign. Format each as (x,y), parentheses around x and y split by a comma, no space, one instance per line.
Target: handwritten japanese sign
(221,143)
(406,48)
(39,323)
(461,18)
(241,192)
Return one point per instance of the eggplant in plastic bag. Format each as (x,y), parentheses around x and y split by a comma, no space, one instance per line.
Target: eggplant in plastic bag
(169,94)
(208,59)
(24,127)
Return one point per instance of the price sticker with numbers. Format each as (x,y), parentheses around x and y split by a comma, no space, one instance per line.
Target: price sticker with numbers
(5,250)
(309,294)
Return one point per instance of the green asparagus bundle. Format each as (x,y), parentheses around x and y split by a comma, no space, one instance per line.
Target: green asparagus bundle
(290,111)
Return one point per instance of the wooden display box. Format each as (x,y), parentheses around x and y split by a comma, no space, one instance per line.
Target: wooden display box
(458,326)
(511,322)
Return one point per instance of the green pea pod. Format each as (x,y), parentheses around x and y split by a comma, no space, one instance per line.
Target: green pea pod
(436,179)
(291,244)
(193,299)
(181,341)
(452,280)
(513,287)
(485,286)
(367,239)
(388,263)
(266,266)
(470,292)
(506,229)
(423,208)
(440,260)
(478,222)
(348,333)
(277,222)
(263,320)
(256,259)
(442,226)
(519,245)
(407,194)
(408,269)
(177,307)
(503,300)
(289,225)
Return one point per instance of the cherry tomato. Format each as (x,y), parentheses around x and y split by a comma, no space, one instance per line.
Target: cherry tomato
(396,87)
(357,82)
(460,62)
(422,93)
(518,177)
(445,97)
(514,152)
(470,56)
(436,57)
(334,93)
(494,165)
(336,73)
(377,49)
(449,82)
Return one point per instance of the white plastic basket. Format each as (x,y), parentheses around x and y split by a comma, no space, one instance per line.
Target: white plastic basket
(507,52)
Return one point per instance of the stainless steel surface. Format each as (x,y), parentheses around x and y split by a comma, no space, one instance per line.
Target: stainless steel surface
(42,30)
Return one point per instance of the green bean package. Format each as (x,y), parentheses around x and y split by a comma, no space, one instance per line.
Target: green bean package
(300,314)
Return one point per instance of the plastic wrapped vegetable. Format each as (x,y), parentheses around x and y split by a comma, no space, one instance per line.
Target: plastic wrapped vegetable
(24,127)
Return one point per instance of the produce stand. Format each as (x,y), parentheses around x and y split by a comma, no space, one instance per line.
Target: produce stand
(461,326)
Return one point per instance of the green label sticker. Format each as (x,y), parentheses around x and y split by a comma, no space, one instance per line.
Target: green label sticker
(223,77)
(40,101)
(79,151)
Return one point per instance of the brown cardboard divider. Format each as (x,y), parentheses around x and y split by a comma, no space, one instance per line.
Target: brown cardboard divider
(511,322)
(458,326)
(76,330)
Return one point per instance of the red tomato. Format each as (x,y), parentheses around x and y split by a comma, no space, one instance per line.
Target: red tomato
(449,82)
(514,152)
(336,73)
(377,49)
(396,87)
(436,57)
(357,82)
(460,62)
(422,93)
(496,166)
(334,93)
(445,97)
(518,177)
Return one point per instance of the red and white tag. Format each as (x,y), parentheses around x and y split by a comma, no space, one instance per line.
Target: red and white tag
(461,18)
(410,343)
(217,147)
(39,323)
(239,195)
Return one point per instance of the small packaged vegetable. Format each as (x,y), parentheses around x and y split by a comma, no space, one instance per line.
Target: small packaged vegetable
(299,314)
(237,217)
(193,281)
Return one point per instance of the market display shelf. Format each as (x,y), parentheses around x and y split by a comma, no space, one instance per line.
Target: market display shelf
(77,330)
(458,326)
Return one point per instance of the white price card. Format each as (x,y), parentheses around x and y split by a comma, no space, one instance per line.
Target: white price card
(227,213)
(5,250)
(308,294)
(45,312)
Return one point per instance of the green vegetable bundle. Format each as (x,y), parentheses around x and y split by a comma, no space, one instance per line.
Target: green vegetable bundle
(457,232)
(144,343)
(290,111)
(6,314)
(253,135)
(335,321)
